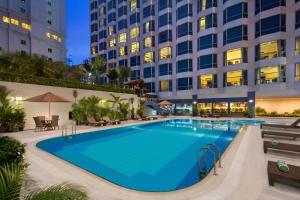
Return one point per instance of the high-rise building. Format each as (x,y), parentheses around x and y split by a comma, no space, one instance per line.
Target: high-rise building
(34,27)
(223,55)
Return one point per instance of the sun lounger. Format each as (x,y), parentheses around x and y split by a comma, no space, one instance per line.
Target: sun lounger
(281,147)
(292,177)
(112,122)
(91,121)
(294,125)
(286,134)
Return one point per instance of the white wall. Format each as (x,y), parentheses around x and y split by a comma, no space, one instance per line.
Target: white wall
(62,109)
(279,105)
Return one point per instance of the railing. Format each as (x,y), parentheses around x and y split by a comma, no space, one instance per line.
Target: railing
(64,131)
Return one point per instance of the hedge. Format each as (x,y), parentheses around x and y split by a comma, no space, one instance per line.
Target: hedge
(10,77)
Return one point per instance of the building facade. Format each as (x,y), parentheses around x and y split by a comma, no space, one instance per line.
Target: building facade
(220,54)
(34,27)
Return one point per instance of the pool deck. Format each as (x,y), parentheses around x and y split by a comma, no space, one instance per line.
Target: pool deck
(243,176)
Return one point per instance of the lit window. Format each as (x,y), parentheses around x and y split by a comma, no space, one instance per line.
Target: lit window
(134,32)
(133,5)
(148,42)
(122,51)
(93,50)
(59,39)
(297,50)
(234,78)
(14,22)
(266,75)
(5,19)
(26,26)
(202,23)
(48,35)
(233,56)
(203,3)
(135,47)
(110,30)
(149,57)
(112,42)
(297,72)
(165,86)
(122,37)
(268,50)
(206,81)
(165,53)
(54,37)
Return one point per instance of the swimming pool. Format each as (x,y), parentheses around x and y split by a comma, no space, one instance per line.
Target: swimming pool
(157,157)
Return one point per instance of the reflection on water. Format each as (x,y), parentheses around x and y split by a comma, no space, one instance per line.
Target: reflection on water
(218,125)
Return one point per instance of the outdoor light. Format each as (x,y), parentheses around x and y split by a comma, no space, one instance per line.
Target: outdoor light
(251,101)
(194,102)
(19,98)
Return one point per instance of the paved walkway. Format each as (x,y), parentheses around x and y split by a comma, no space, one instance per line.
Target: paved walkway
(243,177)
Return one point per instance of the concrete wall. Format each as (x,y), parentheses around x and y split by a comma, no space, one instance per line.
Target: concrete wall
(62,109)
(279,105)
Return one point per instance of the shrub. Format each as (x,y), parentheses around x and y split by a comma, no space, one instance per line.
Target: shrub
(11,151)
(260,111)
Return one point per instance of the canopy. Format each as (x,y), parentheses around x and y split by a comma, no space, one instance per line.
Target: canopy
(48,98)
(165,103)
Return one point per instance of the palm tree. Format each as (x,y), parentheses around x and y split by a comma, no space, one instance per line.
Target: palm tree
(116,100)
(97,67)
(13,178)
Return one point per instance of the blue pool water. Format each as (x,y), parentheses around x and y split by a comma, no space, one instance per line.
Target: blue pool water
(159,156)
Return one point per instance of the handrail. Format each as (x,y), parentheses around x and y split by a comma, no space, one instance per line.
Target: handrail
(219,152)
(203,172)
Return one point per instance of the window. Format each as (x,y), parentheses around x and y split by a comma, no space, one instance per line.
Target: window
(122,24)
(133,5)
(297,46)
(111,17)
(134,32)
(149,42)
(122,11)
(270,25)
(102,34)
(207,22)
(112,54)
(135,47)
(165,69)
(26,26)
(149,26)
(270,50)
(235,78)
(272,74)
(207,41)
(207,61)
(185,29)
(149,57)
(112,42)
(123,63)
(235,56)
(234,12)
(111,4)
(134,18)
(135,61)
(164,19)
(102,46)
(297,72)
(111,30)
(235,34)
(261,5)
(14,22)
(184,66)
(184,83)
(162,4)
(207,81)
(184,11)
(148,11)
(122,37)
(205,4)
(149,72)
(165,53)
(23,42)
(102,11)
(184,48)
(150,87)
(297,24)
(135,75)
(5,19)
(165,36)
(50,50)
(122,51)
(165,86)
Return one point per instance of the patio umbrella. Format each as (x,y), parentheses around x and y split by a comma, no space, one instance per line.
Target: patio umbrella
(165,103)
(48,98)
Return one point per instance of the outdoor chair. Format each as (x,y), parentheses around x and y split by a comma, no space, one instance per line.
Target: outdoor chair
(294,125)
(54,122)
(281,147)
(39,125)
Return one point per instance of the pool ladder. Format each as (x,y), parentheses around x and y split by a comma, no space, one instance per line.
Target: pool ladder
(208,148)
(64,131)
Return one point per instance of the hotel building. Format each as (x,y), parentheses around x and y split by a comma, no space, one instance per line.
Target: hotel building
(220,54)
(34,27)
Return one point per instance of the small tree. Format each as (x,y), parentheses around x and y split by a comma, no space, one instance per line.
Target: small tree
(98,66)
(112,75)
(124,73)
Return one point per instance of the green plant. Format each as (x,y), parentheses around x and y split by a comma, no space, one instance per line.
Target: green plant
(141,110)
(260,111)
(11,151)
(97,67)
(195,110)
(124,72)
(124,110)
(296,112)
(75,95)
(13,178)
(116,101)
(249,112)
(112,75)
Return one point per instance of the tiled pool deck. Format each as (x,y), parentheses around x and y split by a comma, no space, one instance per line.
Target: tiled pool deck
(243,176)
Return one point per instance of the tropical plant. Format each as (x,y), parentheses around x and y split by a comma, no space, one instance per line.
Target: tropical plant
(260,111)
(112,75)
(11,151)
(75,95)
(13,178)
(141,110)
(131,101)
(124,110)
(113,115)
(98,66)
(116,101)
(124,73)
(11,119)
